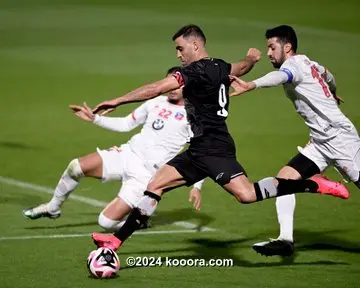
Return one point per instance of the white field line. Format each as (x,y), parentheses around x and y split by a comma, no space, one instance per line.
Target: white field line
(92,202)
(189,225)
(48,190)
(59,236)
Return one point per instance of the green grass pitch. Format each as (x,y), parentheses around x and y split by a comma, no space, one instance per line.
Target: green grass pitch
(56,53)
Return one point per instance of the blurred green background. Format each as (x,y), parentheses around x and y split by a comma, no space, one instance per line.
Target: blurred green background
(56,53)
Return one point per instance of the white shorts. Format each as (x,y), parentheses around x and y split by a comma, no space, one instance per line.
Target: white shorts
(343,152)
(124,165)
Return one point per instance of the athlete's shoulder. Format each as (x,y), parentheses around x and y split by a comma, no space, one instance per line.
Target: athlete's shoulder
(203,63)
(212,63)
(307,61)
(295,66)
(296,60)
(219,61)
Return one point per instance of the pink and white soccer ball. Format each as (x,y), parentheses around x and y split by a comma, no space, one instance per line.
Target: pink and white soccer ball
(103,263)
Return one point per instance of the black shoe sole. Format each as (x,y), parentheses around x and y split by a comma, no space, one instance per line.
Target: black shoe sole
(266,252)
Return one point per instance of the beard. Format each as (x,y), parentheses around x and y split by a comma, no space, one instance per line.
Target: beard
(277,64)
(174,101)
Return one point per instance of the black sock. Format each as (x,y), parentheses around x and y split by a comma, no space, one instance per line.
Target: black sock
(288,186)
(265,188)
(131,224)
(259,196)
(138,216)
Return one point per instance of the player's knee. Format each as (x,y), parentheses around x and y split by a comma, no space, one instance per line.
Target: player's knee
(74,169)
(155,188)
(107,223)
(242,189)
(245,195)
(244,199)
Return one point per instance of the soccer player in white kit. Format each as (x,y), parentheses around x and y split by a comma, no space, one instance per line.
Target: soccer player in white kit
(334,139)
(164,133)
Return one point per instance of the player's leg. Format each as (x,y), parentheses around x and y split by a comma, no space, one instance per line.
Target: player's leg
(167,176)
(114,215)
(222,170)
(271,187)
(285,208)
(134,183)
(178,172)
(88,166)
(104,164)
(299,167)
(346,155)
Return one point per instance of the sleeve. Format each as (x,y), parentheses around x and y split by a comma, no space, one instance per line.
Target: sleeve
(123,124)
(271,79)
(199,184)
(292,71)
(228,67)
(140,114)
(330,80)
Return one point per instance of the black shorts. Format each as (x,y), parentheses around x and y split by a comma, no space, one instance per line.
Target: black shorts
(196,168)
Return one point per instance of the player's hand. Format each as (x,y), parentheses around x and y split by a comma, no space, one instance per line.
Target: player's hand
(106,107)
(253,55)
(240,86)
(83,112)
(195,198)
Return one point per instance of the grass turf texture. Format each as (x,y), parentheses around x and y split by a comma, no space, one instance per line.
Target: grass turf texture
(56,53)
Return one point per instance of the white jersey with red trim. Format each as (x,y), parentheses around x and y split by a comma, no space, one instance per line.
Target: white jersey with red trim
(312,98)
(164,133)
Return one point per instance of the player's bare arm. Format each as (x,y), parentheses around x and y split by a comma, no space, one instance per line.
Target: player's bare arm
(143,93)
(244,66)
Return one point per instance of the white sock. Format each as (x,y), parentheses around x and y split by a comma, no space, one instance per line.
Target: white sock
(109,224)
(285,207)
(67,183)
(267,188)
(147,205)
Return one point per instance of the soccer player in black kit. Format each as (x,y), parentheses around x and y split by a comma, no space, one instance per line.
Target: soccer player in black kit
(212,152)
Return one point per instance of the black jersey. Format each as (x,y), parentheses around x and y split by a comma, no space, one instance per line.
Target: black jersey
(206,92)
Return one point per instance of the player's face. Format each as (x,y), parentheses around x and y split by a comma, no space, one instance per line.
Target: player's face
(175,96)
(275,52)
(185,50)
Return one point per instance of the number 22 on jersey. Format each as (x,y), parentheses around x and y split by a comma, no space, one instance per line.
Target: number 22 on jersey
(165,113)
